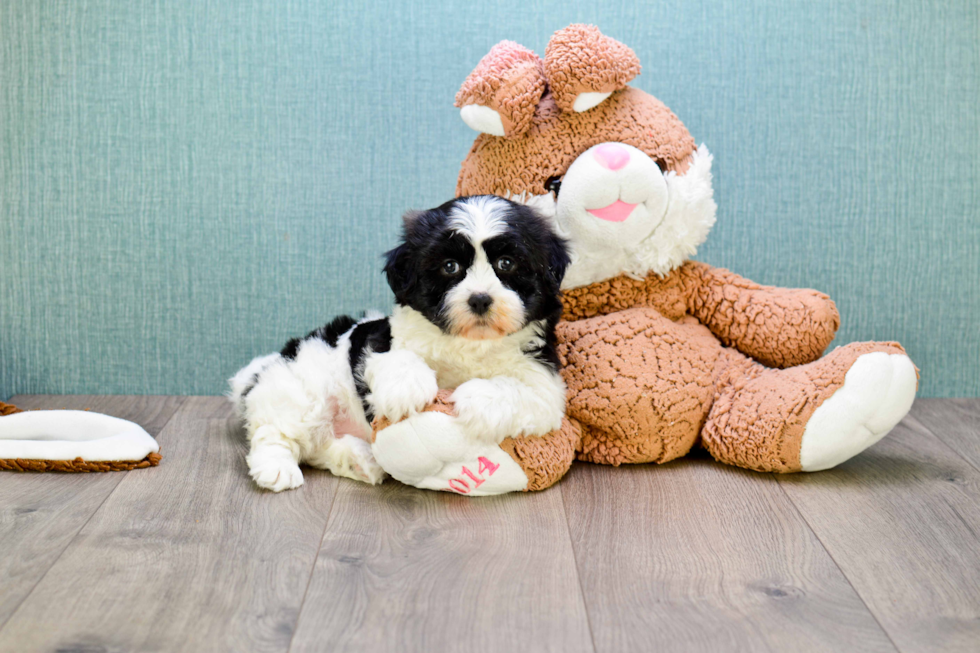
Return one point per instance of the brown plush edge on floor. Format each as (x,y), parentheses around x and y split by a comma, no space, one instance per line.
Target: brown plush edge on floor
(78,465)
(9,409)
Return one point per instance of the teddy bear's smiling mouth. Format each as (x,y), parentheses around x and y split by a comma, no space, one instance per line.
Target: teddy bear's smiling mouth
(618,211)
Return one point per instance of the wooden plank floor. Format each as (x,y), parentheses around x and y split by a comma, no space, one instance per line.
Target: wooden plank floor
(880,554)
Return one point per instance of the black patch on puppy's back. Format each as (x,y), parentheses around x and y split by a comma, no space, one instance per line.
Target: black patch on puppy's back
(251,385)
(367,337)
(329,333)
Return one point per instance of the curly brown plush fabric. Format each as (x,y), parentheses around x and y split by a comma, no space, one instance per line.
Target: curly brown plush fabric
(580,59)
(556,138)
(644,389)
(639,384)
(510,80)
(78,465)
(8,409)
(656,366)
(779,327)
(759,414)
(545,459)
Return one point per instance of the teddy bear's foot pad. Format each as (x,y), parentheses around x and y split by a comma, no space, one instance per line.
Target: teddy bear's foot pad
(429,450)
(877,393)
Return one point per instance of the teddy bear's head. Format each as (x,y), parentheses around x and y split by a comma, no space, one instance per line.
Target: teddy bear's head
(613,167)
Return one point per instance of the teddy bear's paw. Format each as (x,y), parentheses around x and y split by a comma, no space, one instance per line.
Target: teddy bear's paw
(877,393)
(274,470)
(432,451)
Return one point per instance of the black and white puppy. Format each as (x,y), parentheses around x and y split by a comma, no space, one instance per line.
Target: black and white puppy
(476,284)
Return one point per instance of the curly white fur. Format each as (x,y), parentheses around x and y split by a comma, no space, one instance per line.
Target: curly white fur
(401,383)
(500,391)
(304,410)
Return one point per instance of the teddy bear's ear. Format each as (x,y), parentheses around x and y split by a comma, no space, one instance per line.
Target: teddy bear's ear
(500,95)
(584,67)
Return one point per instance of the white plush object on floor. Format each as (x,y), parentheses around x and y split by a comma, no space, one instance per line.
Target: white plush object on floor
(430,451)
(71,434)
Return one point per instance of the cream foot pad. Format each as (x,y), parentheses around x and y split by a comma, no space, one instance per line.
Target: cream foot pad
(72,441)
(430,451)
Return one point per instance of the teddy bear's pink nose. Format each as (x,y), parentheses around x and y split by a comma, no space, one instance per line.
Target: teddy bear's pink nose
(611,156)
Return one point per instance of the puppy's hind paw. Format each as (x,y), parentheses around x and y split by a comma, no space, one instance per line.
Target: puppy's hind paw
(351,457)
(274,472)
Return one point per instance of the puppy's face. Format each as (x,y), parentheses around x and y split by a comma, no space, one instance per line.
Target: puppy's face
(478,267)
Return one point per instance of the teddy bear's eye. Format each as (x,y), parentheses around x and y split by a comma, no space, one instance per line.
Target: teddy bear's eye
(553,185)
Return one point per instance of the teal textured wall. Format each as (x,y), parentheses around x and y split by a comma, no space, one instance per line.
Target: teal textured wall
(185,184)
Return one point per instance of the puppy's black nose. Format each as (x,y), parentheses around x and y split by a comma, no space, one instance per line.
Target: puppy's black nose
(480,302)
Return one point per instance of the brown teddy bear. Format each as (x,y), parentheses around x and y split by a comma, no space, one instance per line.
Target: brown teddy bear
(659,353)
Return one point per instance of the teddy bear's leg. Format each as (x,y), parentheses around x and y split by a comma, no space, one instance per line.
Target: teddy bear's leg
(545,459)
(810,417)
(639,384)
(431,450)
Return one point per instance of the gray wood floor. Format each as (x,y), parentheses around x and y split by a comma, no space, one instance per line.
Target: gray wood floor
(881,554)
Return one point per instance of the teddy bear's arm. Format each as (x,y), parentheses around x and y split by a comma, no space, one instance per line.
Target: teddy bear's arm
(779,327)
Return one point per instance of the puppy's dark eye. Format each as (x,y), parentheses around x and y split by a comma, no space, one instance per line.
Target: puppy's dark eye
(505,264)
(450,268)
(553,185)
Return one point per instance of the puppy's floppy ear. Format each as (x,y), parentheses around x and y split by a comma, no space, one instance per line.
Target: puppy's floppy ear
(410,217)
(558,258)
(400,271)
(400,265)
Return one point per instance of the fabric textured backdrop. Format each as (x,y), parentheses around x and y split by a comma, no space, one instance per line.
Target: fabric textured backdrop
(186,184)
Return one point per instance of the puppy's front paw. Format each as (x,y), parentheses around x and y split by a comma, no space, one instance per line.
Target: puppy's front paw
(400,386)
(274,471)
(483,410)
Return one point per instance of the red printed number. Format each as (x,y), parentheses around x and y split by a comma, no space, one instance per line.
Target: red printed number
(462,487)
(486,465)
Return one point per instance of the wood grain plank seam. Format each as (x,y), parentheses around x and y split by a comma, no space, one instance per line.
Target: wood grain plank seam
(121,476)
(578,576)
(938,438)
(316,558)
(834,560)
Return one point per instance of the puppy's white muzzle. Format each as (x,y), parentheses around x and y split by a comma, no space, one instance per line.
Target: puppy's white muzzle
(502,309)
